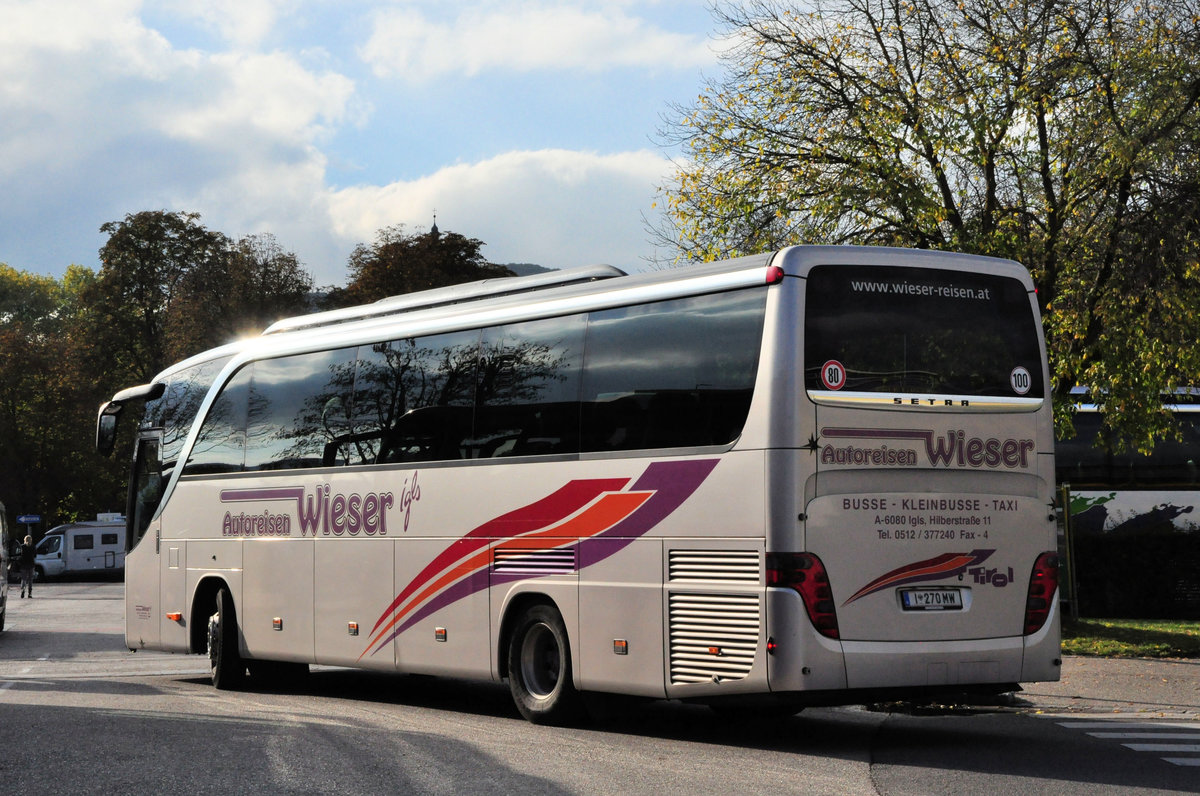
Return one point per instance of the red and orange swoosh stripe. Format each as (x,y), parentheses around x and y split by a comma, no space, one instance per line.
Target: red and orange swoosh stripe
(947,565)
(581,509)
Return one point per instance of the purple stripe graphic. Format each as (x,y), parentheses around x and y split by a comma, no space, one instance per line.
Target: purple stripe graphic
(673,482)
(877,433)
(269,494)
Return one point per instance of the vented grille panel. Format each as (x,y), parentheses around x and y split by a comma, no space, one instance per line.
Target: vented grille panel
(731,566)
(560,561)
(712,636)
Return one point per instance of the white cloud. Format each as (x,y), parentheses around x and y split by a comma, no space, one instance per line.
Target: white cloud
(105,111)
(243,23)
(272,94)
(523,37)
(557,208)
(94,67)
(100,116)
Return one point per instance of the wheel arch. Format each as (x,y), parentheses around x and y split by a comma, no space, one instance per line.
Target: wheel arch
(204,604)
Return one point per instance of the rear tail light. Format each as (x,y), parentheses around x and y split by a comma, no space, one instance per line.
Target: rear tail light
(805,574)
(1043,584)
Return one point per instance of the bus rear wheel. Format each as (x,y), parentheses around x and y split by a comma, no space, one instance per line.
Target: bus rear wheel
(228,668)
(539,668)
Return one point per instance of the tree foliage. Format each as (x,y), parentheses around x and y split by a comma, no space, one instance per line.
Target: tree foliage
(47,401)
(145,264)
(1064,134)
(254,284)
(167,288)
(398,263)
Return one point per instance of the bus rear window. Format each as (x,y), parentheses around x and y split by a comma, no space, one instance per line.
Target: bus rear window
(886,329)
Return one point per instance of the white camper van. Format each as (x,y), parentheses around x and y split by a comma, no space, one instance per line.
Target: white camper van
(82,547)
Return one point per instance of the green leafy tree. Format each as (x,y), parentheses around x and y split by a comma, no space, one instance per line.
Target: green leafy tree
(398,263)
(167,288)
(48,402)
(254,283)
(1064,134)
(144,266)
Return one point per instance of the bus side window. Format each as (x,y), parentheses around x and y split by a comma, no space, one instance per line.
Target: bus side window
(527,391)
(414,399)
(173,414)
(671,374)
(298,405)
(221,444)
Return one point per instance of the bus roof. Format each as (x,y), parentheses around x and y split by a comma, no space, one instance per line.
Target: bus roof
(452,294)
(510,299)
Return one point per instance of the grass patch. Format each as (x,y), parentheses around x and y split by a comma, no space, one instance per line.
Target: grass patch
(1131,638)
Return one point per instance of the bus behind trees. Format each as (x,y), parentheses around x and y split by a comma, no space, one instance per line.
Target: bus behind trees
(819,476)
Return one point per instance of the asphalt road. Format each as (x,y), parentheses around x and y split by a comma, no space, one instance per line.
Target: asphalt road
(80,714)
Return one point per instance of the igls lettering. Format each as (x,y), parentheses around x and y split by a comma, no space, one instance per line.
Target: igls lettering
(326,512)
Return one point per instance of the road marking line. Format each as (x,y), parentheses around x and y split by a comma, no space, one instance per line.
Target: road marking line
(1151,730)
(11,683)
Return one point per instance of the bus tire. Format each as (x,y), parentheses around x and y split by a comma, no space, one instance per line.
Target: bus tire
(228,668)
(539,668)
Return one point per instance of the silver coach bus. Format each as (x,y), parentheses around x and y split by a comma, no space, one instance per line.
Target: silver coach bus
(819,476)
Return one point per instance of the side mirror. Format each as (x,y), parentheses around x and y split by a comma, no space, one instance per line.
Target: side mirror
(106,421)
(106,427)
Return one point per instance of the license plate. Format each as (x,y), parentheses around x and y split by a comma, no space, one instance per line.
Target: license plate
(931,599)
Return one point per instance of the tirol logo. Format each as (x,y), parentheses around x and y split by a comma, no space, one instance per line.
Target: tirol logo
(946,565)
(951,449)
(321,511)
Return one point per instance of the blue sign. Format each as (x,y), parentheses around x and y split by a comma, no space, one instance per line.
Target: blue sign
(29,519)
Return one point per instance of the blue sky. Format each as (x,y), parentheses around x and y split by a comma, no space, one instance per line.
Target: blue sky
(529,124)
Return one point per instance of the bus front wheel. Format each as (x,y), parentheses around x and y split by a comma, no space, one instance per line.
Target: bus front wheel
(539,668)
(228,668)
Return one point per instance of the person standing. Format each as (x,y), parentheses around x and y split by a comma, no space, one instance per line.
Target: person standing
(25,560)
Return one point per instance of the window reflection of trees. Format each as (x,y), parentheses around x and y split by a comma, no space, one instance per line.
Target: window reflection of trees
(672,374)
(412,399)
(175,410)
(527,398)
(220,444)
(293,410)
